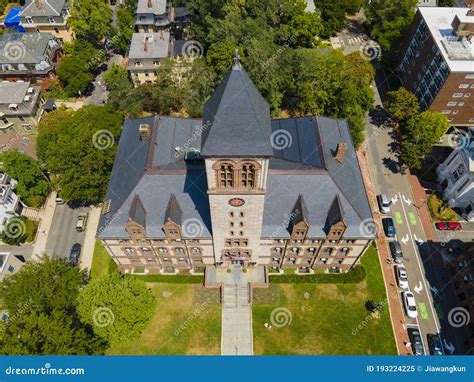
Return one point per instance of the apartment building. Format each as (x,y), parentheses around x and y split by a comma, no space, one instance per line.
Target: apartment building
(145,54)
(20,106)
(28,56)
(456,176)
(48,16)
(437,62)
(188,194)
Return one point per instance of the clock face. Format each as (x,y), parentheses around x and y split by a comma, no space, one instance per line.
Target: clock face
(236,202)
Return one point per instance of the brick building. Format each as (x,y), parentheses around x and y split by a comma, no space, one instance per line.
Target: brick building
(437,62)
(236,187)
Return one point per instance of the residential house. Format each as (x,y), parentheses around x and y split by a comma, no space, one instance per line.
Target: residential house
(456,176)
(437,62)
(9,264)
(27,56)
(145,54)
(153,15)
(10,204)
(48,16)
(20,106)
(235,188)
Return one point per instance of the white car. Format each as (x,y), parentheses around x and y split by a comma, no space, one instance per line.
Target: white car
(410,304)
(402,277)
(384,203)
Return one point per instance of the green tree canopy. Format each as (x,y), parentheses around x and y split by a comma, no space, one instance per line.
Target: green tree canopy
(32,184)
(387,22)
(80,149)
(402,104)
(41,303)
(118,307)
(419,134)
(333,14)
(74,75)
(91,20)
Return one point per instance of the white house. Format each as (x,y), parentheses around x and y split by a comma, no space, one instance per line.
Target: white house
(9,202)
(456,176)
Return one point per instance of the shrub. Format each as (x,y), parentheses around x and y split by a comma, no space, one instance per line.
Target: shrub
(439,209)
(174,279)
(352,277)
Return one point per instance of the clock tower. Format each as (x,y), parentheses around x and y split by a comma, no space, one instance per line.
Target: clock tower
(236,149)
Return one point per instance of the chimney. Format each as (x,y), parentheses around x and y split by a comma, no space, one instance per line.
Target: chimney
(470,12)
(144,130)
(149,4)
(340,152)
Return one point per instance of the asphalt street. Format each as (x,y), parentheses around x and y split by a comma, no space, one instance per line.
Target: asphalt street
(63,234)
(409,230)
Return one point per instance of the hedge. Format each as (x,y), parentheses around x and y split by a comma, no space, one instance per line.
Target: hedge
(175,279)
(352,277)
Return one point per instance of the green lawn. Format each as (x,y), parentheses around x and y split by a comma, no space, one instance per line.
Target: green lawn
(325,317)
(102,263)
(187,320)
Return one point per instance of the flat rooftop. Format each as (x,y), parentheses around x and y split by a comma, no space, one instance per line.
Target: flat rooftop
(457,52)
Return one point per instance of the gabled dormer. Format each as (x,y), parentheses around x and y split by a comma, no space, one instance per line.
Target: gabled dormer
(136,225)
(335,225)
(299,224)
(173,217)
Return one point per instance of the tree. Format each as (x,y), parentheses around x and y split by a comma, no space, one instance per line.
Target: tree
(333,14)
(331,84)
(419,134)
(80,149)
(91,20)
(402,104)
(74,75)
(116,77)
(32,185)
(41,303)
(122,37)
(388,21)
(220,56)
(119,307)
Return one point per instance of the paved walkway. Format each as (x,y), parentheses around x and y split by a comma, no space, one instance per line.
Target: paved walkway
(237,337)
(396,314)
(89,240)
(45,226)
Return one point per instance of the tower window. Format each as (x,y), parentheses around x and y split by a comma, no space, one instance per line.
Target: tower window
(226,176)
(248,176)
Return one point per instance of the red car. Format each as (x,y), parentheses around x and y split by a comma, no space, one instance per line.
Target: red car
(449,226)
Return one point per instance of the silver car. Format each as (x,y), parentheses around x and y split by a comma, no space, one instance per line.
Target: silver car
(384,203)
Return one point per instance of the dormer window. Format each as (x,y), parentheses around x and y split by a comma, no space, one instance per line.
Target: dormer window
(29,20)
(138,63)
(51,20)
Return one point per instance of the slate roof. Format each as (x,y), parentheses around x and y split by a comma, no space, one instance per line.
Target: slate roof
(24,48)
(156,47)
(45,8)
(158,7)
(303,173)
(13,92)
(239,118)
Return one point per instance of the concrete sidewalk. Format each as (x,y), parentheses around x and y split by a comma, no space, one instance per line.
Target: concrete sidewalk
(44,227)
(89,240)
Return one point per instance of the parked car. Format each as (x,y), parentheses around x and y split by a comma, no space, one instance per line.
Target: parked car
(416,343)
(388,227)
(435,345)
(384,203)
(410,304)
(448,226)
(75,253)
(402,277)
(59,201)
(396,251)
(81,221)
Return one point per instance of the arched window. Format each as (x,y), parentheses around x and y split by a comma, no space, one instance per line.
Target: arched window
(248,176)
(226,176)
